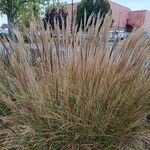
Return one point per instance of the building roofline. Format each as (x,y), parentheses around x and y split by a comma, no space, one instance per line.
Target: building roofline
(119,4)
(140,10)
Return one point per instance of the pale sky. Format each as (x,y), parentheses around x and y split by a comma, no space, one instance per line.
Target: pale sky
(135,4)
(132,4)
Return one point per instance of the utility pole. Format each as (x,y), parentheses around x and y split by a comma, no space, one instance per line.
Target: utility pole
(72,13)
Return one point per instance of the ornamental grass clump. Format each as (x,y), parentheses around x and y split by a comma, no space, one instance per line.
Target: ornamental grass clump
(67,90)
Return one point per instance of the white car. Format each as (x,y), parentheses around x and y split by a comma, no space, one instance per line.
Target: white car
(113,35)
(3,30)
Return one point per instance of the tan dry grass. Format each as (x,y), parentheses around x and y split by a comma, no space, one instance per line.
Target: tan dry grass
(70,94)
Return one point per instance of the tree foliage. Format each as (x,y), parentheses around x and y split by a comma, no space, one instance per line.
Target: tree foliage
(15,8)
(91,7)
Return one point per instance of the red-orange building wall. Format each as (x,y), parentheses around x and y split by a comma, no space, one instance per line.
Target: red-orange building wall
(136,18)
(119,14)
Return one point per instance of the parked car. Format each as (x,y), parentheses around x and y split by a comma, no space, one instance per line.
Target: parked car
(147,34)
(3,32)
(113,35)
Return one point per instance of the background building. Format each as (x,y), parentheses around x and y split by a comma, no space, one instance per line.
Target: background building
(124,18)
(139,18)
(120,15)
